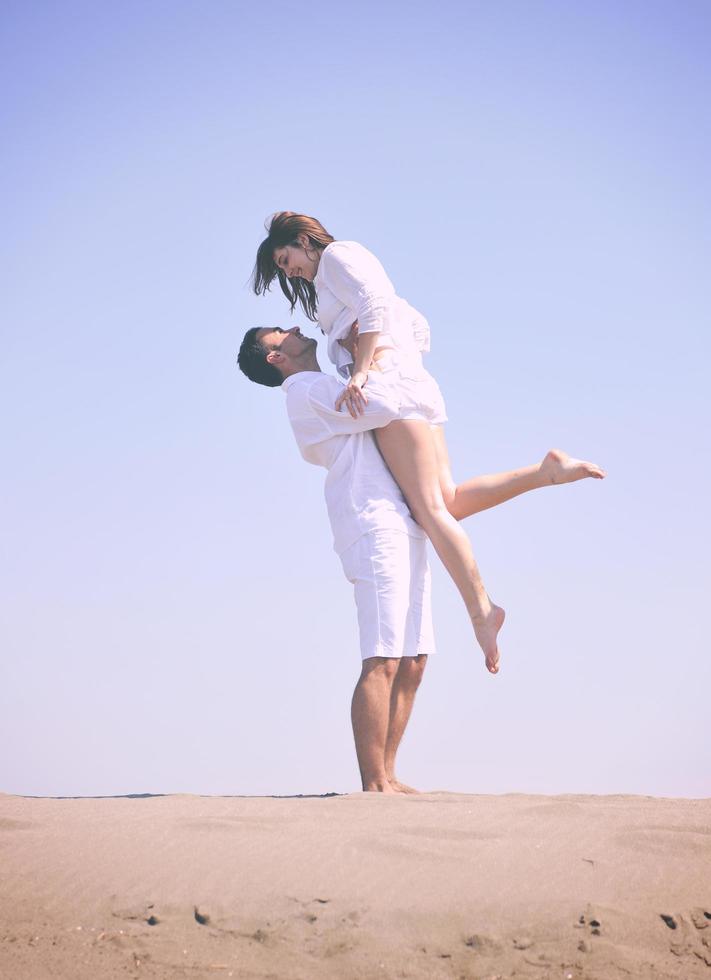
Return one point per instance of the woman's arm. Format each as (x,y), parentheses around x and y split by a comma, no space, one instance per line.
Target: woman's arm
(364,354)
(358,280)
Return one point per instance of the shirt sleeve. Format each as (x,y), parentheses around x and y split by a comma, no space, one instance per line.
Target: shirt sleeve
(383,407)
(358,280)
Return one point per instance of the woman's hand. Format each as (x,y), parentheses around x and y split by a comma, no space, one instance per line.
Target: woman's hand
(353,396)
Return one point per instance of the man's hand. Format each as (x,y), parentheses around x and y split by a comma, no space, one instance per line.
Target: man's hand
(353,396)
(350,343)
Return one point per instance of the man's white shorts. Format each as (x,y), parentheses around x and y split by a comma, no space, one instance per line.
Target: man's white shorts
(391,581)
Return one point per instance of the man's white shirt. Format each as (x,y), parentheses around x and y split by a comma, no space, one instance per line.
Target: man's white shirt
(361,494)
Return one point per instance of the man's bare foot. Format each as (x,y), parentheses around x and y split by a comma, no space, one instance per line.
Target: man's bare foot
(380,786)
(486,628)
(559,467)
(401,787)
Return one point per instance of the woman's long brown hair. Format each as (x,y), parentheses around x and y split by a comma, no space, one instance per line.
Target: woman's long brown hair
(284,228)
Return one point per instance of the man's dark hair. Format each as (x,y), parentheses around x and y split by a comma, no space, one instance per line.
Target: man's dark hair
(252,359)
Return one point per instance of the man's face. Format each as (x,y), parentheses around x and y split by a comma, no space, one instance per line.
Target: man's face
(290,343)
(298,259)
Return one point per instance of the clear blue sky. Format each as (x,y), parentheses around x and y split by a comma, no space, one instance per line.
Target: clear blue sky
(535,178)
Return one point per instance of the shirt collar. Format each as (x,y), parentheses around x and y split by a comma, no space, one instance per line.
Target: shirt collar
(293,378)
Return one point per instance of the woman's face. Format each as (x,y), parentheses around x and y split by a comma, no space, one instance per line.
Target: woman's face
(300,259)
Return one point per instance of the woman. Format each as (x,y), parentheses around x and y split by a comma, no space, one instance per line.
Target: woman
(337,283)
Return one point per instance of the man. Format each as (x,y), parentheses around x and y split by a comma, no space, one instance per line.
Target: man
(382,549)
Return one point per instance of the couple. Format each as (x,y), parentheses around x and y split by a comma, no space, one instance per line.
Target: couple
(390,411)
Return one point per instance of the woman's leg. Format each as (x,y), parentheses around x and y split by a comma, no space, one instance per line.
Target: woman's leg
(409,450)
(482,492)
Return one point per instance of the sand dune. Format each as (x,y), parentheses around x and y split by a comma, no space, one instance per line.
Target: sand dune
(431,886)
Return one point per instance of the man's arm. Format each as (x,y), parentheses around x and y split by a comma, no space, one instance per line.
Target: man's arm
(382,408)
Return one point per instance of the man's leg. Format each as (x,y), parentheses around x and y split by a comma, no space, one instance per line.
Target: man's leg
(402,697)
(482,492)
(370,714)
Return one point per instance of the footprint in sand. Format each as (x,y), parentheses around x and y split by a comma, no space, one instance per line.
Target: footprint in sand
(700,918)
(591,923)
(482,944)
(692,934)
(138,913)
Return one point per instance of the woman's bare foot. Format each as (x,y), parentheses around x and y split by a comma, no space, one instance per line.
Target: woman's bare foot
(486,628)
(559,467)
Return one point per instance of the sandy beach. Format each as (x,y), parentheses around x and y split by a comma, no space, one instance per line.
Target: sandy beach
(433,886)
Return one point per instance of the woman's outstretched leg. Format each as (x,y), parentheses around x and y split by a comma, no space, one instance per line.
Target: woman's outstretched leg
(482,492)
(409,450)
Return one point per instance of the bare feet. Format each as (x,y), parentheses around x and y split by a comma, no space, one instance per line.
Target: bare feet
(380,786)
(401,787)
(559,467)
(486,628)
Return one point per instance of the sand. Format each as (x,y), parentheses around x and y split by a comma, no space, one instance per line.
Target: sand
(432,886)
